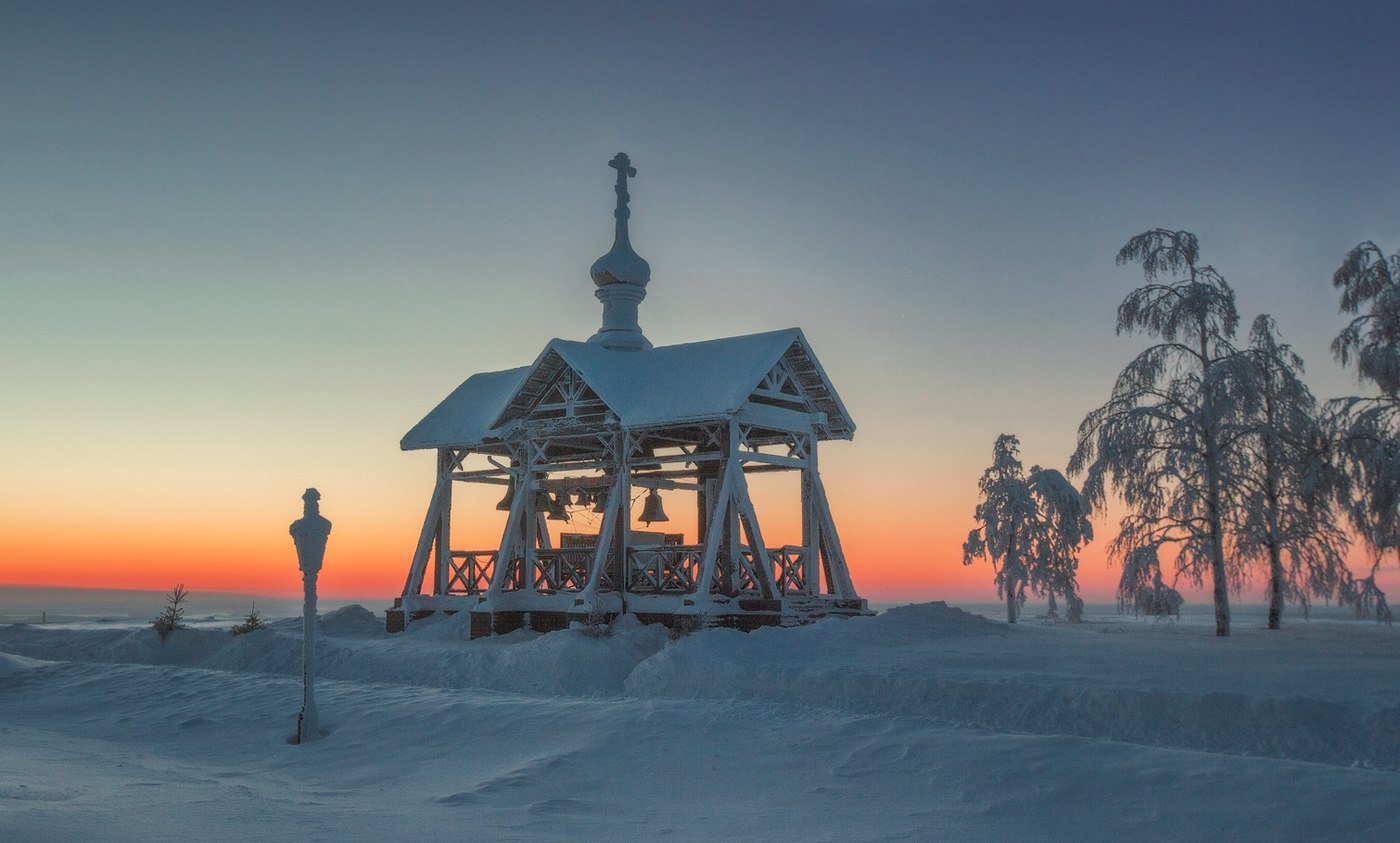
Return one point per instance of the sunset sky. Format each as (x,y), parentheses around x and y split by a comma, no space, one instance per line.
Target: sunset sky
(244,247)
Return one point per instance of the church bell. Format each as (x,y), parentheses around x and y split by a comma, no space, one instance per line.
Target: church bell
(552,504)
(651,508)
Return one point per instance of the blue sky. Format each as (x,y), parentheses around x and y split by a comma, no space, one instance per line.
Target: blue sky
(245,246)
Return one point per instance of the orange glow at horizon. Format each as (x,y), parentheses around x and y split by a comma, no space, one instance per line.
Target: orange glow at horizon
(896,551)
(369,550)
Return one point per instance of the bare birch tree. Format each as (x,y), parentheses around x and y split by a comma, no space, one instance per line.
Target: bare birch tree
(1289,490)
(1162,442)
(1368,429)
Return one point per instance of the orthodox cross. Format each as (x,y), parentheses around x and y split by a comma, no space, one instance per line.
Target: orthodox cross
(625,170)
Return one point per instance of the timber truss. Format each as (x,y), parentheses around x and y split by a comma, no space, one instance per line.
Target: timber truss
(568,447)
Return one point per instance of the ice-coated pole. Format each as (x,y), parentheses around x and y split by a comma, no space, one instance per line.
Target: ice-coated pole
(309,534)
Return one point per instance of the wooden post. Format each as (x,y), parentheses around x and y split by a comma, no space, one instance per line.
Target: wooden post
(763,567)
(731,558)
(624,515)
(442,561)
(416,571)
(811,533)
(719,515)
(510,539)
(532,525)
(838,576)
(606,540)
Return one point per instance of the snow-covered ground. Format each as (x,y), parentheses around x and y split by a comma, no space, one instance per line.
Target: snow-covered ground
(924,723)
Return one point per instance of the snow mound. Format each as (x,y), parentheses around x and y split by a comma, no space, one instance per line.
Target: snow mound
(11,665)
(938,619)
(436,652)
(187,647)
(262,651)
(353,621)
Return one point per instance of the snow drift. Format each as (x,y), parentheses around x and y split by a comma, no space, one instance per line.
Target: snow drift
(1321,693)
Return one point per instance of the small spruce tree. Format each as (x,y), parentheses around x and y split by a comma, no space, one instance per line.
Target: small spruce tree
(252,623)
(172,616)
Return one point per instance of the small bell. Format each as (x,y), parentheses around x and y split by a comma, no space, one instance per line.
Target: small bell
(506,501)
(600,502)
(651,508)
(556,507)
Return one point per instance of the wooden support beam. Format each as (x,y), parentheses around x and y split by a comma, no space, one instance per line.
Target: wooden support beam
(715,535)
(653,481)
(772,459)
(484,475)
(542,531)
(510,538)
(761,468)
(414,583)
(778,418)
(560,484)
(749,519)
(666,459)
(811,523)
(624,522)
(796,401)
(605,538)
(532,526)
(442,561)
(589,464)
(837,574)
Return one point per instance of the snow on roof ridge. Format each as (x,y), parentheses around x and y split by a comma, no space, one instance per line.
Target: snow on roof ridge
(672,383)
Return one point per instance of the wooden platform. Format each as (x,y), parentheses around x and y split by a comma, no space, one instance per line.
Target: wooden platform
(752,614)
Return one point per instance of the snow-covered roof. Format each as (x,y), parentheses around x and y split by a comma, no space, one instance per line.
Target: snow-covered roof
(464,417)
(669,384)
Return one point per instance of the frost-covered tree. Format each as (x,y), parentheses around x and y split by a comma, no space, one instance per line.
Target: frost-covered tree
(1363,596)
(1031,528)
(1370,285)
(1289,490)
(1004,517)
(1141,589)
(1063,528)
(1163,440)
(1367,430)
(172,616)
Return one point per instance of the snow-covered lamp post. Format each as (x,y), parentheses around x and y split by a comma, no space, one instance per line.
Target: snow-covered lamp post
(309,533)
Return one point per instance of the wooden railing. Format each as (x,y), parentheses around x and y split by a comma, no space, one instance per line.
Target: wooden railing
(562,569)
(470,571)
(671,569)
(788,569)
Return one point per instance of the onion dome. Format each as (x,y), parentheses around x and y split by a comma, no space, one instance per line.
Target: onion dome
(621,265)
(621,276)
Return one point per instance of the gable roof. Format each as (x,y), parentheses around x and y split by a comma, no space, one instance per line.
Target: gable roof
(464,417)
(669,384)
